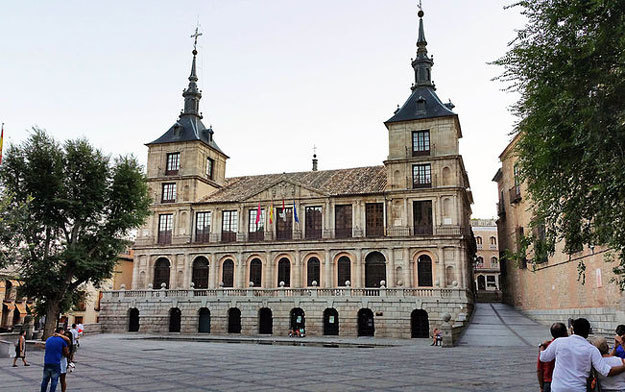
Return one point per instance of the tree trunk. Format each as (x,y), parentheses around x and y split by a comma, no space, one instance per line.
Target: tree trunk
(52,315)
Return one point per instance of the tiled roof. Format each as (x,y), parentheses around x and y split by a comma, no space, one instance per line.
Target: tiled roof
(430,107)
(361,180)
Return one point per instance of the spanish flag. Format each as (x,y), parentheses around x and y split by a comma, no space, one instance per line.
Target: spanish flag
(1,140)
(271,214)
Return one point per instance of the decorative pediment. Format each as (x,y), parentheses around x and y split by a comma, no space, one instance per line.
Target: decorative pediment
(285,189)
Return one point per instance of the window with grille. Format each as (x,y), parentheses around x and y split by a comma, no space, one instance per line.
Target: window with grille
(344,271)
(202,226)
(210,164)
(165,227)
(374,216)
(343,221)
(284,223)
(173,163)
(422,176)
(169,193)
(422,217)
(420,143)
(256,231)
(313,222)
(313,271)
(227,273)
(229,226)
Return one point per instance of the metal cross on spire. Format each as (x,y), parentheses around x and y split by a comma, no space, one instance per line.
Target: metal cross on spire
(195,35)
(420,7)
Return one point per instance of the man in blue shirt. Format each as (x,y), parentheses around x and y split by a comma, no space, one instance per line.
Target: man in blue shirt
(55,346)
(618,350)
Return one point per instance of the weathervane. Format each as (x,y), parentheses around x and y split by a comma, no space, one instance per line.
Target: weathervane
(420,8)
(195,35)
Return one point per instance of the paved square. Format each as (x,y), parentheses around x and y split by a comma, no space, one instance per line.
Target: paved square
(117,363)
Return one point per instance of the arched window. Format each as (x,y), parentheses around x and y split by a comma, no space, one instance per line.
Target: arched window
(313,271)
(493,241)
(8,286)
(480,262)
(424,271)
(343,270)
(161,273)
(199,276)
(227,273)
(493,262)
(375,269)
(478,240)
(256,272)
(284,272)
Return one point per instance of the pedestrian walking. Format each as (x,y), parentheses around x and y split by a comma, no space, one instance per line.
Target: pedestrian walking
(544,370)
(55,347)
(67,336)
(74,332)
(575,357)
(20,349)
(609,384)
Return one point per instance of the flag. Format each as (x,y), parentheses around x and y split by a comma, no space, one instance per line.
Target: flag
(283,212)
(271,214)
(258,213)
(1,139)
(295,212)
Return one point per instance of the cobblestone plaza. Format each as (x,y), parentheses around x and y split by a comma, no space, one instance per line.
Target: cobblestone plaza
(496,354)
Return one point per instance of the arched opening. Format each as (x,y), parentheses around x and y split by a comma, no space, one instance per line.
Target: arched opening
(478,240)
(397,179)
(199,275)
(419,324)
(446,176)
(298,321)
(375,269)
(447,211)
(234,320)
(480,262)
(16,316)
(8,286)
(424,271)
(161,273)
(493,262)
(133,320)
(265,321)
(227,273)
(204,325)
(481,282)
(174,320)
(493,241)
(344,270)
(330,322)
(313,271)
(256,272)
(365,323)
(284,272)
(5,316)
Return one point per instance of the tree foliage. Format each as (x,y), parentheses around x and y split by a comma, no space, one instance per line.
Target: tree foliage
(568,64)
(75,209)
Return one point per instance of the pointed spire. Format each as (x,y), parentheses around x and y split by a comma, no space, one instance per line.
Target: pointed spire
(192,94)
(422,64)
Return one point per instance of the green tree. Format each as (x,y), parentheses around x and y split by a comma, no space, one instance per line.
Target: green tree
(77,211)
(568,64)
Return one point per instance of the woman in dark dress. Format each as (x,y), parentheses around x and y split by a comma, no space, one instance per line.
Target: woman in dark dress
(20,349)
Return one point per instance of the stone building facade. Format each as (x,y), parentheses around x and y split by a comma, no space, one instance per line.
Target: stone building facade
(486,273)
(553,289)
(383,250)
(14,308)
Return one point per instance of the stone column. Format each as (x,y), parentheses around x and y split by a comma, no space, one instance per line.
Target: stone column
(441,267)
(213,281)
(267,271)
(297,271)
(406,266)
(328,279)
(135,272)
(358,276)
(390,270)
(239,271)
(326,218)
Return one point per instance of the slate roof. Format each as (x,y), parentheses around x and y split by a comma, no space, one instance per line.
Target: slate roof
(188,128)
(433,106)
(361,180)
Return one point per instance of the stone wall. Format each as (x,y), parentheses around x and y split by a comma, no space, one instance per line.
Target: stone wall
(392,315)
(602,320)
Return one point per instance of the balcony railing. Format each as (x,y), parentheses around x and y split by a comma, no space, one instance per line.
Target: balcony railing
(501,209)
(515,194)
(286,292)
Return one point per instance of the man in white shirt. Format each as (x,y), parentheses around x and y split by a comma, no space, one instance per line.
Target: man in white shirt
(74,332)
(575,357)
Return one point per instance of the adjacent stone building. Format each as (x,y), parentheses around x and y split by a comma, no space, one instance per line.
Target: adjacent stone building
(553,289)
(487,267)
(383,250)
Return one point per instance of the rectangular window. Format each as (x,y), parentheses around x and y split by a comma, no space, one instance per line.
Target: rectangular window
(202,226)
(343,221)
(422,217)
(165,228)
(374,216)
(169,193)
(284,223)
(209,168)
(422,176)
(313,222)
(173,163)
(229,226)
(420,143)
(256,231)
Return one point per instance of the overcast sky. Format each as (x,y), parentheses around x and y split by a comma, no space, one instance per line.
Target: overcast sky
(278,76)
